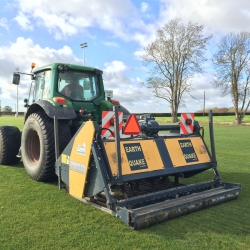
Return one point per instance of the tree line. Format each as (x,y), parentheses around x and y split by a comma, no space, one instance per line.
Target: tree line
(6,109)
(220,110)
(178,54)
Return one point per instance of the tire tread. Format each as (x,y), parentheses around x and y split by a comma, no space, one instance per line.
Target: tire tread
(10,141)
(46,172)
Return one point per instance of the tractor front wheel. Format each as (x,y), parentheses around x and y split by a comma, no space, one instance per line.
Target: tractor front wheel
(10,141)
(38,145)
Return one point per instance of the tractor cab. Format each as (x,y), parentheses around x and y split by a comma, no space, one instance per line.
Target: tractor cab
(70,92)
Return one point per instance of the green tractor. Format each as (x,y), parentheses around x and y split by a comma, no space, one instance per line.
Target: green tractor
(66,93)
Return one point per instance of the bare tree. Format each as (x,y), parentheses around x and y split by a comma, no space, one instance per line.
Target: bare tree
(232,70)
(174,57)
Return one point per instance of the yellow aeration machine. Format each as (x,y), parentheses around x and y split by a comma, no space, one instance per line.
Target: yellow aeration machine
(137,177)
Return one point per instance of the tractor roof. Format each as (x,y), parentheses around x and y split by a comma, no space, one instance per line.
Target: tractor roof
(71,66)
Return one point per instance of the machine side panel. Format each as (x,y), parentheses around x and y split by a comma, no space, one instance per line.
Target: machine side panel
(187,151)
(136,156)
(144,156)
(79,159)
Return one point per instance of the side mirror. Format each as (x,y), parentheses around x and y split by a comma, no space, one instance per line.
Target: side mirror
(16,79)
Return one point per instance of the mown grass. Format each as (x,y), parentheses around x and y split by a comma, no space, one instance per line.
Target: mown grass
(39,216)
(11,120)
(18,121)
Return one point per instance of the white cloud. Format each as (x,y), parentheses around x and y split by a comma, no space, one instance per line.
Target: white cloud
(115,66)
(120,18)
(17,52)
(144,7)
(218,16)
(139,53)
(20,54)
(127,90)
(114,75)
(23,21)
(71,17)
(111,44)
(138,99)
(3,23)
(201,84)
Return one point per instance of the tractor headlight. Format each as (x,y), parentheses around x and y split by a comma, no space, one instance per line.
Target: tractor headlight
(63,67)
(60,67)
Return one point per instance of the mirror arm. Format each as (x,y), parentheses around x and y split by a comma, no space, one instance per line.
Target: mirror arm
(24,73)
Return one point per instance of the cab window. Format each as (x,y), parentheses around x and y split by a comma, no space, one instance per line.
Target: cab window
(42,85)
(78,85)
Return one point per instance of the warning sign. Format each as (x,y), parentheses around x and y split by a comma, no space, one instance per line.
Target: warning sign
(188,150)
(108,123)
(135,156)
(132,126)
(187,123)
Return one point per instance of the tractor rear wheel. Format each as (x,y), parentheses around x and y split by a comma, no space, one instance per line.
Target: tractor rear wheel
(38,145)
(10,141)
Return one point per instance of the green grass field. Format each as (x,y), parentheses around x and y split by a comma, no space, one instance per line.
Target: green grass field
(19,121)
(39,216)
(11,120)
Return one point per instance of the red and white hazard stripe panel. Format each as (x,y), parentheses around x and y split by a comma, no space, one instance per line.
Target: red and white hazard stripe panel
(187,123)
(108,123)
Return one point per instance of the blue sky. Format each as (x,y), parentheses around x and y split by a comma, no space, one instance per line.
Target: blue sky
(45,31)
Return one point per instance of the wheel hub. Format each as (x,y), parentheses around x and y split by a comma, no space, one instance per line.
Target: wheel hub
(34,147)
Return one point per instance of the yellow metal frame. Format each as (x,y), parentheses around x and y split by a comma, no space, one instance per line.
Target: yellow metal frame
(79,159)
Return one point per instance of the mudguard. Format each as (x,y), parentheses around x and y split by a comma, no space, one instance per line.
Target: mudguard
(51,111)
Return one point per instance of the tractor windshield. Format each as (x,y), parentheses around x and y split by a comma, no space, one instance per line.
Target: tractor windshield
(78,85)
